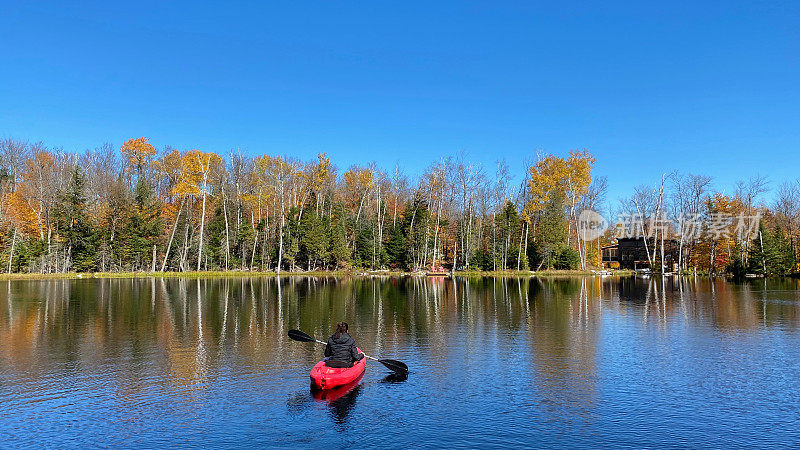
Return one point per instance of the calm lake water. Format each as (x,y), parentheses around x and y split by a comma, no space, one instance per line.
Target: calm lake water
(495,362)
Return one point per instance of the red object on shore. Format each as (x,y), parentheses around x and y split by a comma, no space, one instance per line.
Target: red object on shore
(324,377)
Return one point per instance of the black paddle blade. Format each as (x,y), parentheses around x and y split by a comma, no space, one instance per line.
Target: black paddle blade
(396,366)
(298,335)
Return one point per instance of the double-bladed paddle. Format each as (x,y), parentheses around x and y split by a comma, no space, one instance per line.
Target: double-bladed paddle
(396,366)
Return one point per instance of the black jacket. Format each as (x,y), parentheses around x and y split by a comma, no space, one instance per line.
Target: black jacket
(342,349)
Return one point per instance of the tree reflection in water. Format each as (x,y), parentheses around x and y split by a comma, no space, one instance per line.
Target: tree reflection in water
(555,351)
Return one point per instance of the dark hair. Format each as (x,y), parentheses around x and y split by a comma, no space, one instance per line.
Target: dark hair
(341,327)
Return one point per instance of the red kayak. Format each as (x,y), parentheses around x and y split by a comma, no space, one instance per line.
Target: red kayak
(324,377)
(333,394)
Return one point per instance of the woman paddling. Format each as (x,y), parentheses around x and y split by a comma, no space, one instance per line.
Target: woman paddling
(341,349)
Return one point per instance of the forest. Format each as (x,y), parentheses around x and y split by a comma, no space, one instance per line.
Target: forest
(139,209)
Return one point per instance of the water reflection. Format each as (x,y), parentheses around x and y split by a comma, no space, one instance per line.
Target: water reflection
(394,377)
(129,341)
(339,400)
(192,320)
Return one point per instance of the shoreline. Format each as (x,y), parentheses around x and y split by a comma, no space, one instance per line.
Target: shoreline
(345,274)
(336,274)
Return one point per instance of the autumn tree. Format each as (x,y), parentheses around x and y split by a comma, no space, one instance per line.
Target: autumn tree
(103,209)
(172,173)
(138,155)
(566,178)
(198,167)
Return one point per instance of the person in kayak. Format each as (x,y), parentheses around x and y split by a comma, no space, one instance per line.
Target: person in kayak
(341,349)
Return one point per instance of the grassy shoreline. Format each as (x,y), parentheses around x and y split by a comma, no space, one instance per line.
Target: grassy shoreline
(337,273)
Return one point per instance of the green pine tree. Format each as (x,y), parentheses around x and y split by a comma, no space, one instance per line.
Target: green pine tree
(508,231)
(313,239)
(770,252)
(215,246)
(396,249)
(79,238)
(142,228)
(338,252)
(551,234)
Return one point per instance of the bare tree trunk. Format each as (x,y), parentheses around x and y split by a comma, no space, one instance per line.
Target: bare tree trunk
(411,233)
(227,233)
(360,206)
(436,233)
(381,218)
(494,243)
(50,248)
(265,245)
(763,258)
(185,253)
(581,252)
(519,250)
(202,227)
(658,217)
(280,245)
(427,232)
(644,237)
(712,258)
(505,251)
(13,243)
(680,248)
(455,255)
(662,252)
(253,256)
(466,248)
(172,235)
(527,228)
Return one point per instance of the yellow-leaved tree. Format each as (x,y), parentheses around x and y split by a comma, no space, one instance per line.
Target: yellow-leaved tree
(569,178)
(197,169)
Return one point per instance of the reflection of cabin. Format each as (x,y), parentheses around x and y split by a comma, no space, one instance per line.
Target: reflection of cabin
(631,254)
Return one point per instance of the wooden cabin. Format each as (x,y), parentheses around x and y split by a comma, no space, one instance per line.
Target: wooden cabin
(631,254)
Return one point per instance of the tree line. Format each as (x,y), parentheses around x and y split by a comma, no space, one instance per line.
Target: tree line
(741,233)
(136,208)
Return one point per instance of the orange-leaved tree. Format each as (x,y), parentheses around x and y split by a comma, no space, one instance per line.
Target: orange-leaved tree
(170,167)
(138,154)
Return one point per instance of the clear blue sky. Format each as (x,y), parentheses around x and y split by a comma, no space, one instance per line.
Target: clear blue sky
(709,88)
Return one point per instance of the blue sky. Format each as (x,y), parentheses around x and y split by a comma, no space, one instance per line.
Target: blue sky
(708,88)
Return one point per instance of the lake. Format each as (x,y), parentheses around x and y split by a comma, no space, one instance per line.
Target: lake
(573,362)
